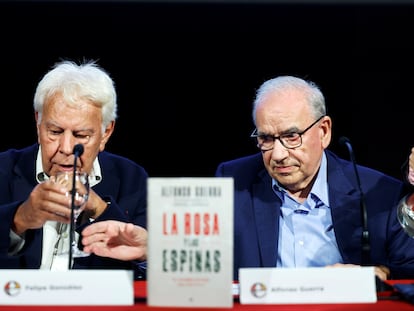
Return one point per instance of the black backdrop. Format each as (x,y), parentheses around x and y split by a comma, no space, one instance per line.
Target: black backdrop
(186,72)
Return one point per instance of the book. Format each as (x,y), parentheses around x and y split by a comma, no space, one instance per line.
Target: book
(190,242)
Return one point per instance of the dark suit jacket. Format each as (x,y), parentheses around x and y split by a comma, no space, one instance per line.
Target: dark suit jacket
(257,211)
(124,185)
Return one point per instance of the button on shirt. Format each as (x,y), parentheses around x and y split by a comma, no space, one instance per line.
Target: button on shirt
(306,234)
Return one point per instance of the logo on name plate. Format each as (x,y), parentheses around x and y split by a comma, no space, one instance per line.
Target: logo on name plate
(258,290)
(12,288)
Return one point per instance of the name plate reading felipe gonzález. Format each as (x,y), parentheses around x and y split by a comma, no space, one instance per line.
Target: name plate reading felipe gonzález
(307,285)
(73,287)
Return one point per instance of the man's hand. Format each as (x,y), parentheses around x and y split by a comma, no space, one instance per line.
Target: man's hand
(47,201)
(116,239)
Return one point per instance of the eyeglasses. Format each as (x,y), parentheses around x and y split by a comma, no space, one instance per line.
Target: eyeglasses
(290,140)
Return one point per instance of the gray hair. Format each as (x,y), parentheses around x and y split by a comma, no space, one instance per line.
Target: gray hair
(315,97)
(74,81)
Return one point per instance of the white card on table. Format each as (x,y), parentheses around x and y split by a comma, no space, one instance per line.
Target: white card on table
(72,287)
(307,285)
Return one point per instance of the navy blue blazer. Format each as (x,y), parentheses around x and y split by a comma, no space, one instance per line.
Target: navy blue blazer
(124,184)
(257,211)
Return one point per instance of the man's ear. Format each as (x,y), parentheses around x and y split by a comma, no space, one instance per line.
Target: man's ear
(107,134)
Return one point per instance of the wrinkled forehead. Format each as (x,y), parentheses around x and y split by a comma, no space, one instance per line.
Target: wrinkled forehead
(283,107)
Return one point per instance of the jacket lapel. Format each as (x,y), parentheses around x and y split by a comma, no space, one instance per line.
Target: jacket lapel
(344,197)
(266,206)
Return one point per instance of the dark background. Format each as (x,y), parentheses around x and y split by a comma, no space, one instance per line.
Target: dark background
(186,72)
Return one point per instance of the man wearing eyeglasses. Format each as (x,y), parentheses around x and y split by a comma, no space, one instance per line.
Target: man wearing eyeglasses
(297,204)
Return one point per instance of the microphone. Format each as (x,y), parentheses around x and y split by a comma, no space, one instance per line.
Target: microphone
(365,242)
(77,152)
(366,246)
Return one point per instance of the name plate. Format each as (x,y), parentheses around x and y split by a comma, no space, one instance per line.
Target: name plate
(307,285)
(73,287)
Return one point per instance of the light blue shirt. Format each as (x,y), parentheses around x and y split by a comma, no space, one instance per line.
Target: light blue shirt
(306,234)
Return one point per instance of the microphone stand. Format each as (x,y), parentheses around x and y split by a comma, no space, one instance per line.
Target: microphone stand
(77,151)
(72,216)
(365,243)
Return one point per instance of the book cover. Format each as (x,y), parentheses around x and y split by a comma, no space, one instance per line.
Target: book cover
(190,242)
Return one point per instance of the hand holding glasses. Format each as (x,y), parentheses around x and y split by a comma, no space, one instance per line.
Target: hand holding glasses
(405,214)
(80,196)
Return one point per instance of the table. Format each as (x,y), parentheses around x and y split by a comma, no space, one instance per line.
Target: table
(387,301)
